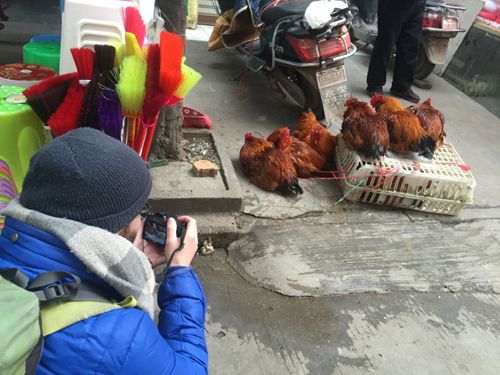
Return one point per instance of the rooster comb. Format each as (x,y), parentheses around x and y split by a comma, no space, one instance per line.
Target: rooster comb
(377,98)
(248,135)
(350,101)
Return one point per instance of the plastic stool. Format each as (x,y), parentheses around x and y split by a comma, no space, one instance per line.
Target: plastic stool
(46,38)
(42,53)
(21,132)
(8,190)
(24,75)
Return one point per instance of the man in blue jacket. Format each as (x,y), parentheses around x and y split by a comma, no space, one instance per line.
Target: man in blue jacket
(79,212)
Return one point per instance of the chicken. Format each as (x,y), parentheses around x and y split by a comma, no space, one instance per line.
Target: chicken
(431,119)
(364,130)
(304,158)
(405,132)
(267,167)
(310,131)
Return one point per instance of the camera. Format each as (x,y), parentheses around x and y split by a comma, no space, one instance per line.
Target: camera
(155,228)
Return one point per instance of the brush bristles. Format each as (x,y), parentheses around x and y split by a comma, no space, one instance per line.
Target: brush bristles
(47,102)
(190,78)
(132,46)
(104,59)
(155,98)
(88,116)
(134,24)
(131,87)
(84,61)
(110,113)
(48,84)
(171,52)
(65,118)
(119,52)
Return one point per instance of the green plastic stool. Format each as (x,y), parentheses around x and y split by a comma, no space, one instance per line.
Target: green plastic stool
(42,53)
(21,132)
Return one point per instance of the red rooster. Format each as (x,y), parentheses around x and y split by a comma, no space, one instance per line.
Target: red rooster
(431,119)
(310,131)
(364,130)
(268,167)
(306,160)
(406,133)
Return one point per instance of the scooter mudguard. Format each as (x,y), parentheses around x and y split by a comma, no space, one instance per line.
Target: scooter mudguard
(436,49)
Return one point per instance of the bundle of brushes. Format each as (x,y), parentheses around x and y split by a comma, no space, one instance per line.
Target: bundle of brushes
(103,64)
(119,88)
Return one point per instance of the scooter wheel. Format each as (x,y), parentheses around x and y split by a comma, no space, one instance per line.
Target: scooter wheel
(424,67)
(313,98)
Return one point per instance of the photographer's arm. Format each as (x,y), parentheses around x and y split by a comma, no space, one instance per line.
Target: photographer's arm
(180,297)
(181,346)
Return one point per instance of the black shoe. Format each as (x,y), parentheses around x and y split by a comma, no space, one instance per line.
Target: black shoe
(374,90)
(406,95)
(422,84)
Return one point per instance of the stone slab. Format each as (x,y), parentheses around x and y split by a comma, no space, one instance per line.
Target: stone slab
(309,259)
(251,331)
(176,189)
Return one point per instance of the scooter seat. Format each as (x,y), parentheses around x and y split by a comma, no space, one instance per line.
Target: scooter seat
(272,11)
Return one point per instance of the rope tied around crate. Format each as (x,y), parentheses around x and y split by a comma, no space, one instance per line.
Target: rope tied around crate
(382,173)
(463,167)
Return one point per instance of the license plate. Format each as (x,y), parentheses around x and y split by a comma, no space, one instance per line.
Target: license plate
(331,76)
(334,92)
(450,24)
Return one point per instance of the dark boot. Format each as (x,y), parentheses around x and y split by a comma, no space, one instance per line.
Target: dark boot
(374,90)
(422,84)
(409,95)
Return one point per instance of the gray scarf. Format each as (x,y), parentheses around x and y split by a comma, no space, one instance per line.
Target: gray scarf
(109,256)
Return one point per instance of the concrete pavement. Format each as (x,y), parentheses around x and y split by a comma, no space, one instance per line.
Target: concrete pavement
(397,292)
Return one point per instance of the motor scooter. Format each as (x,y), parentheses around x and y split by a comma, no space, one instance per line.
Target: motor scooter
(305,63)
(441,23)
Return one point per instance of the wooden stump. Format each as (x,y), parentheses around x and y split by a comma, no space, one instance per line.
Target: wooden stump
(168,133)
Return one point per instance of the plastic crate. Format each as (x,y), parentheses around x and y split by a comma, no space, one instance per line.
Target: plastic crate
(443,185)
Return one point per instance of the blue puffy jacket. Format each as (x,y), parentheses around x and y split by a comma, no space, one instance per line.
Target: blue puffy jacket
(121,341)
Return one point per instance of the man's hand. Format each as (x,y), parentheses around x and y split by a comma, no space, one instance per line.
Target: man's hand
(158,256)
(184,256)
(155,254)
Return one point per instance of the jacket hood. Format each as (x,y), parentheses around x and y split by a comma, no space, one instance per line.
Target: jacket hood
(34,251)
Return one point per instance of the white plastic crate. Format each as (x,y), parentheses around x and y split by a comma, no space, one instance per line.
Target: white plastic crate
(443,185)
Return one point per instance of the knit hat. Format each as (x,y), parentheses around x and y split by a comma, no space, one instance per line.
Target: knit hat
(89,177)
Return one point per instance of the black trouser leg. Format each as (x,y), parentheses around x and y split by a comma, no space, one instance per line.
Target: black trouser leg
(389,27)
(407,47)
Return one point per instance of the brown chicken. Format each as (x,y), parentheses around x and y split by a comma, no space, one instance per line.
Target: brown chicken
(306,160)
(267,167)
(431,119)
(405,132)
(310,131)
(364,130)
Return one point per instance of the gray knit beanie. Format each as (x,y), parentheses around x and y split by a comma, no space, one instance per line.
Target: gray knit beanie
(89,177)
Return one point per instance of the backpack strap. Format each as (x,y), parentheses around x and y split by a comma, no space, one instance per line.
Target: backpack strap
(64,299)
(54,286)
(58,315)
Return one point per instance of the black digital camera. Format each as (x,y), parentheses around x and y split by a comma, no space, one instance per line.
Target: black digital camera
(155,229)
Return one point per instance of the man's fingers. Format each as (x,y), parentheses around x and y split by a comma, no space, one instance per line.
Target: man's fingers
(191,228)
(138,237)
(191,231)
(171,230)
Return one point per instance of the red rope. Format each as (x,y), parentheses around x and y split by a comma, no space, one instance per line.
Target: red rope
(383,174)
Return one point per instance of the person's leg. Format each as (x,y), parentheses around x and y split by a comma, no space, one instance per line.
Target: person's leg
(407,47)
(389,27)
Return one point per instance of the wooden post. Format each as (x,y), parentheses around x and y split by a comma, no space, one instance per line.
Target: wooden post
(168,134)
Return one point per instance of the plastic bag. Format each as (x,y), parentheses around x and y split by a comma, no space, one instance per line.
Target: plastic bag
(318,12)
